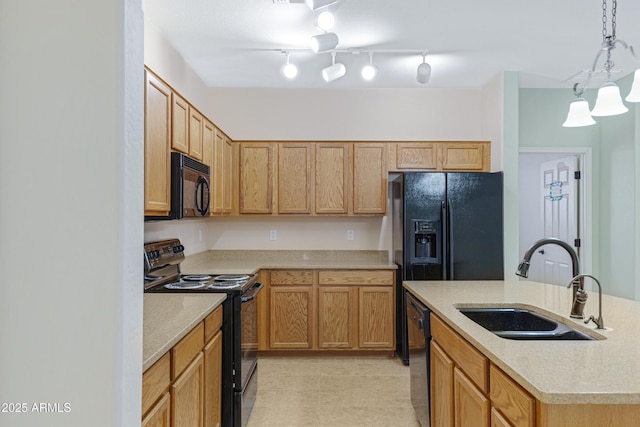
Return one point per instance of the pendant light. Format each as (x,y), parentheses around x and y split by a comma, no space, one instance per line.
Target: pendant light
(608,102)
(289,70)
(579,114)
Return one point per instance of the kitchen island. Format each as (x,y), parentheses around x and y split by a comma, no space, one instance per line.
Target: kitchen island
(587,379)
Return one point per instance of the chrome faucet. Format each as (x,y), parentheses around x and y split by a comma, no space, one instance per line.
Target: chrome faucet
(599,321)
(577,281)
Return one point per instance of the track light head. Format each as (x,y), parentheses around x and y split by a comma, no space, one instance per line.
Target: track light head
(370,71)
(334,71)
(325,20)
(423,74)
(324,42)
(289,70)
(319,4)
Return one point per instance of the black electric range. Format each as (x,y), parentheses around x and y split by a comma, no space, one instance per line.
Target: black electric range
(240,321)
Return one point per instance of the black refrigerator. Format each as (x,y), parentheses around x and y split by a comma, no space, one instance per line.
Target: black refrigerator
(446,226)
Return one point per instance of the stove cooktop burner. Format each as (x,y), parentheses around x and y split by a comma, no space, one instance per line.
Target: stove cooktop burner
(196,277)
(185,285)
(224,285)
(232,278)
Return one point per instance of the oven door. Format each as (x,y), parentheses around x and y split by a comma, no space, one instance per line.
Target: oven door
(249,334)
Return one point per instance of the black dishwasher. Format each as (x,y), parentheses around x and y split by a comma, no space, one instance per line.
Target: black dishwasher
(419,336)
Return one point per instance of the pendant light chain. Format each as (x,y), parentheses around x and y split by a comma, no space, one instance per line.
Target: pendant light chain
(605,33)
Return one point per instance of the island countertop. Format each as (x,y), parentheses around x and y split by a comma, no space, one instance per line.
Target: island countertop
(602,371)
(170,316)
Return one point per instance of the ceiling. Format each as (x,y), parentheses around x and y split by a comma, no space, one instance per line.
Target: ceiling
(239,43)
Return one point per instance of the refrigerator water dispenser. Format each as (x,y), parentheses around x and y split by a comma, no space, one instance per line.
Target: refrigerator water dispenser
(426,238)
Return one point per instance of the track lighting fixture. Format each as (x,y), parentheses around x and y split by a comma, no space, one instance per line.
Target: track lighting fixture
(324,20)
(370,71)
(289,70)
(324,42)
(424,71)
(319,4)
(334,71)
(609,102)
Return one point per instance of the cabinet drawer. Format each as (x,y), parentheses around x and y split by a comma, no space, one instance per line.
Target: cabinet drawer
(155,381)
(186,350)
(514,403)
(212,324)
(355,277)
(470,360)
(292,277)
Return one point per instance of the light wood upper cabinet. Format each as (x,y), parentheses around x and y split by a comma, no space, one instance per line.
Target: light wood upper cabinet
(369,178)
(222,175)
(440,156)
(180,123)
(419,155)
(295,175)
(157,142)
(196,137)
(256,178)
(456,156)
(332,178)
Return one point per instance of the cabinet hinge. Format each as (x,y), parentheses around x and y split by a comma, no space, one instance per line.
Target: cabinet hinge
(577,175)
(576,243)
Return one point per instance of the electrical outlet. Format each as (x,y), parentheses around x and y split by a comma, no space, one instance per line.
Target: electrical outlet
(180,236)
(200,235)
(350,235)
(273,234)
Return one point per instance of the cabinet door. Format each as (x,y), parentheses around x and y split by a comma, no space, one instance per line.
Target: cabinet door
(331,178)
(472,408)
(416,155)
(497,420)
(376,317)
(187,396)
(513,401)
(196,127)
(295,173)
(336,316)
(256,178)
(223,175)
(441,387)
(208,145)
(213,381)
(229,173)
(369,178)
(160,414)
(157,143)
(465,156)
(291,316)
(180,120)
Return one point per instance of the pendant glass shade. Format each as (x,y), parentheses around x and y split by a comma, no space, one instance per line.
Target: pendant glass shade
(634,94)
(579,114)
(609,101)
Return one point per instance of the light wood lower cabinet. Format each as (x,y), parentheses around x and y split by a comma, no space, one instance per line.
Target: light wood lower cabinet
(441,387)
(183,388)
(329,310)
(470,405)
(291,310)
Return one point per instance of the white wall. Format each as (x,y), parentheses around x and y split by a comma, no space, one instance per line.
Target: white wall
(491,113)
(71,194)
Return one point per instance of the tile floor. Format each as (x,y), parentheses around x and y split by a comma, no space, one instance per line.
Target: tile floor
(336,391)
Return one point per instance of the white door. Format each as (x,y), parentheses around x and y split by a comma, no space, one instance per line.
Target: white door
(559,213)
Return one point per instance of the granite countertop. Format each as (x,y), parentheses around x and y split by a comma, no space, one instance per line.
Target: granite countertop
(249,262)
(603,371)
(170,316)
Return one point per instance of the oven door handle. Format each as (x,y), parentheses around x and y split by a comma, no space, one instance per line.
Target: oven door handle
(250,296)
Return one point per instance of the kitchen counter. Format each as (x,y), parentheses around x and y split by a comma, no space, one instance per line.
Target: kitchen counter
(249,262)
(605,371)
(169,317)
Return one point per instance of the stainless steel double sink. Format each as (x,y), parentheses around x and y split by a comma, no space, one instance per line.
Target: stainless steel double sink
(522,324)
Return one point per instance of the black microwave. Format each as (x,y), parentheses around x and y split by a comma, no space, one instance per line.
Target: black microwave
(190,189)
